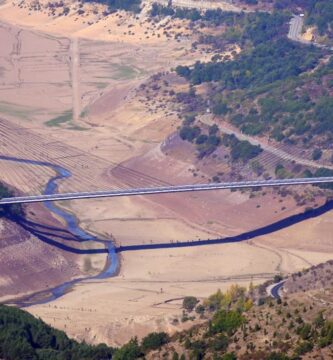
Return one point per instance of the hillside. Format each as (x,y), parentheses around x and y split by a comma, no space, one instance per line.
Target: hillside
(237,324)
(24,337)
(311,279)
(27,261)
(231,325)
(299,326)
(144,124)
(318,14)
(274,89)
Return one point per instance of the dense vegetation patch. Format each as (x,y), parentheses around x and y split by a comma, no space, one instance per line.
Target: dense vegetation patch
(274,87)
(296,111)
(322,172)
(319,12)
(226,321)
(133,350)
(15,209)
(24,337)
(4,191)
(241,149)
(267,63)
(207,143)
(212,17)
(113,5)
(256,27)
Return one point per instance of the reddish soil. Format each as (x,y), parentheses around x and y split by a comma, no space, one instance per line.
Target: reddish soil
(28,264)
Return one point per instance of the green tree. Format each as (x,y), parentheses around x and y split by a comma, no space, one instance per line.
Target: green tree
(129,351)
(316,155)
(227,321)
(189,303)
(154,341)
(229,356)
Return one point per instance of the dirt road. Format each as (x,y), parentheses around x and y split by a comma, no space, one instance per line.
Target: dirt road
(227,129)
(75,77)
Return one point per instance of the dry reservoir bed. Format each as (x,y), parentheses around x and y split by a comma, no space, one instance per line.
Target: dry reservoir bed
(36,101)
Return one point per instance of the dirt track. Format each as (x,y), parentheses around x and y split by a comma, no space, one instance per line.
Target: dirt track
(118,142)
(75,77)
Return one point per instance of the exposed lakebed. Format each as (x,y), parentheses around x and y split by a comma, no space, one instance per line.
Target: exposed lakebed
(112,265)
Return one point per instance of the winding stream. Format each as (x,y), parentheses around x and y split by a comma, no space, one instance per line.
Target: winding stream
(111,268)
(72,226)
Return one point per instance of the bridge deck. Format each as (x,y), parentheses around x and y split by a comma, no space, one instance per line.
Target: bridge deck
(165,190)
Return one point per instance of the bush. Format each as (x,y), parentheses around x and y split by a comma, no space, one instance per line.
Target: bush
(189,303)
(226,321)
(130,5)
(154,341)
(220,108)
(244,151)
(129,351)
(201,139)
(15,209)
(219,343)
(200,309)
(322,172)
(316,155)
(229,356)
(277,356)
(189,133)
(326,334)
(277,278)
(213,129)
(304,331)
(303,348)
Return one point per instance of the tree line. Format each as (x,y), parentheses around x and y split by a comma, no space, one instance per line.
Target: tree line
(23,337)
(7,210)
(114,5)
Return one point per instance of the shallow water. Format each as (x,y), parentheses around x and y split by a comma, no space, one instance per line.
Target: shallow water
(112,261)
(72,226)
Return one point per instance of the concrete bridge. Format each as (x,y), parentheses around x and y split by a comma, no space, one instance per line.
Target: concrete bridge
(166,190)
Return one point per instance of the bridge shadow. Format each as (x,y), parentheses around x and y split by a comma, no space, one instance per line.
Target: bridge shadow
(51,238)
(37,225)
(265,230)
(50,230)
(45,234)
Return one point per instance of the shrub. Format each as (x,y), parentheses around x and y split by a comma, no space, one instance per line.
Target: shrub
(316,155)
(154,341)
(304,331)
(129,351)
(229,356)
(303,348)
(200,309)
(226,321)
(189,303)
(201,139)
(189,133)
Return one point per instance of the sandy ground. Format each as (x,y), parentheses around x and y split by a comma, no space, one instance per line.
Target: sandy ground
(39,80)
(93,24)
(117,309)
(308,35)
(119,141)
(29,264)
